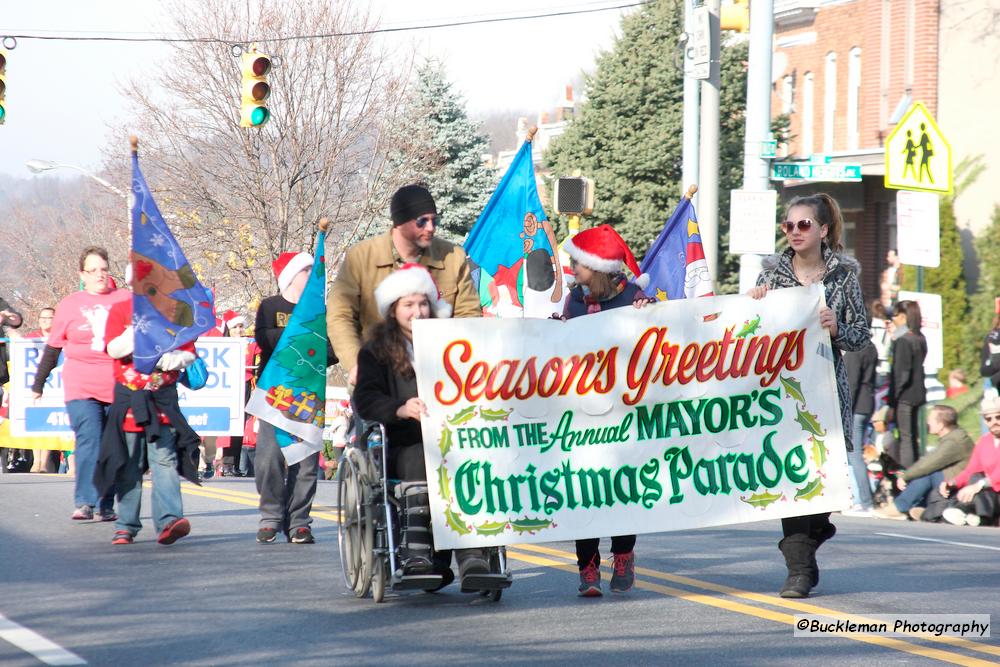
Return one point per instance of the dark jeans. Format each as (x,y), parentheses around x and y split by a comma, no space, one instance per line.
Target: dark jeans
(87,417)
(246,461)
(917,490)
(588,551)
(986,504)
(907,419)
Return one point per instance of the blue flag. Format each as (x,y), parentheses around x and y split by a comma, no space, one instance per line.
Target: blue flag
(291,392)
(676,261)
(512,244)
(170,307)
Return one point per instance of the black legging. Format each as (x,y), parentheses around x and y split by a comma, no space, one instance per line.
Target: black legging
(907,419)
(813,525)
(588,551)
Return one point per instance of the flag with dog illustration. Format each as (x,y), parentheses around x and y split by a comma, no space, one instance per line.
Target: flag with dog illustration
(170,306)
(684,414)
(291,392)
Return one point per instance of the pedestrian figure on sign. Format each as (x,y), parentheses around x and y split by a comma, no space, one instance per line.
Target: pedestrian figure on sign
(911,155)
(925,157)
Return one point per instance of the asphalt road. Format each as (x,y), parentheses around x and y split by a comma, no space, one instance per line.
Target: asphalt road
(703,597)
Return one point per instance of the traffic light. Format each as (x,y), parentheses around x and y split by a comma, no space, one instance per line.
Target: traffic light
(3,86)
(256,90)
(735,15)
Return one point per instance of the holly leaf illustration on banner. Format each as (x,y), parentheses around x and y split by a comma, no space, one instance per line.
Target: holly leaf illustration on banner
(444,444)
(749,328)
(463,416)
(810,490)
(491,528)
(762,499)
(818,452)
(444,484)
(793,388)
(526,525)
(495,415)
(808,422)
(455,522)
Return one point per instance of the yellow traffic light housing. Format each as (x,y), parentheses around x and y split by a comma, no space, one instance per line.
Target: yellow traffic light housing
(255,89)
(3,86)
(735,15)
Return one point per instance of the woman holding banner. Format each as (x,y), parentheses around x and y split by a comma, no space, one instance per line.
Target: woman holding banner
(596,258)
(813,227)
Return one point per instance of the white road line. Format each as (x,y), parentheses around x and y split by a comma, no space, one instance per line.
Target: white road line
(30,641)
(931,539)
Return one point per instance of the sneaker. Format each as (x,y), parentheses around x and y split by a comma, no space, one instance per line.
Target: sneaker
(108,515)
(590,580)
(267,535)
(916,512)
(954,516)
(300,536)
(623,572)
(83,513)
(174,531)
(857,511)
(122,537)
(207,473)
(889,512)
(972,520)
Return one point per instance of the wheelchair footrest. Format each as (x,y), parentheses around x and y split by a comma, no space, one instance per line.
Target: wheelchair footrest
(486,582)
(416,582)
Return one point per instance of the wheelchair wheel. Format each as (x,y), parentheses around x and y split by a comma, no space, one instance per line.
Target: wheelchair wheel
(355,532)
(378,579)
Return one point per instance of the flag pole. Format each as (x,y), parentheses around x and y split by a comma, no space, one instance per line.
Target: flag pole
(689,195)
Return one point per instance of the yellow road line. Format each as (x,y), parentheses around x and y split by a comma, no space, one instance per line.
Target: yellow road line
(803,607)
(518,552)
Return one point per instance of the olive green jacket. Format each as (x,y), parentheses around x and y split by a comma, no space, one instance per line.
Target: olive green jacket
(950,457)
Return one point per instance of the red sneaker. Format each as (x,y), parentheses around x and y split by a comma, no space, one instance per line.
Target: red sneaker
(590,580)
(174,531)
(122,537)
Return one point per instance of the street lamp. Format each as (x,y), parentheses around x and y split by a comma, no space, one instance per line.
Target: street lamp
(38,166)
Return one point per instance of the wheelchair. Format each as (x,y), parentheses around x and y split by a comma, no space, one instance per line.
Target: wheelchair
(384,528)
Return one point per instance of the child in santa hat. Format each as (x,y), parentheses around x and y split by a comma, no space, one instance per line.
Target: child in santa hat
(286,491)
(596,258)
(387,392)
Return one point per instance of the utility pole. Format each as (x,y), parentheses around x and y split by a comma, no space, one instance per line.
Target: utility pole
(756,169)
(708,182)
(689,170)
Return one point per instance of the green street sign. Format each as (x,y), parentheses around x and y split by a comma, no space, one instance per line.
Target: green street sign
(815,171)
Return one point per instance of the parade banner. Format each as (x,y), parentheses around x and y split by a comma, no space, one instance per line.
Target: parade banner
(216,409)
(683,414)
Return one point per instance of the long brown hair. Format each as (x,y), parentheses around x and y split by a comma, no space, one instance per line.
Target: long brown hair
(602,285)
(911,309)
(827,213)
(389,343)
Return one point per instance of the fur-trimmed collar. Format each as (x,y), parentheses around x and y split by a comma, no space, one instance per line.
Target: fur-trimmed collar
(833,261)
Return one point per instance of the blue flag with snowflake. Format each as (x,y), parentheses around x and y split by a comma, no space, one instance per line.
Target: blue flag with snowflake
(291,392)
(170,306)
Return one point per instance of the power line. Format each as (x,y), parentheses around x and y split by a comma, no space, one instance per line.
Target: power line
(351,33)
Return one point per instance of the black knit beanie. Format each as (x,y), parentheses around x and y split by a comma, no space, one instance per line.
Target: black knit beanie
(411,202)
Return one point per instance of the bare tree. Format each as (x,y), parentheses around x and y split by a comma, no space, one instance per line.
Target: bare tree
(241,196)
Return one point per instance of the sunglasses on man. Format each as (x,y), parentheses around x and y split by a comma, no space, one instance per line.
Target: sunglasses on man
(424,220)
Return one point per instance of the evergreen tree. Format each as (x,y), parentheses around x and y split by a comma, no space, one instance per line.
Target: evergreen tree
(627,135)
(449,151)
(948,280)
(982,304)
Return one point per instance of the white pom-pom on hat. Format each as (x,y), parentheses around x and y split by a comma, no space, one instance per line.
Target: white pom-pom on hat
(410,279)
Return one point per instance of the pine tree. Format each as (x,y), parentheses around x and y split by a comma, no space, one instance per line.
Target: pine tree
(627,135)
(948,280)
(982,304)
(450,149)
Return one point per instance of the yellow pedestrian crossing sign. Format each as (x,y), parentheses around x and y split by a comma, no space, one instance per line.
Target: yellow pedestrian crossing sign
(917,156)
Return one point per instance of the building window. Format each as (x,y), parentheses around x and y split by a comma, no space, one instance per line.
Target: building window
(808,113)
(787,94)
(853,99)
(829,101)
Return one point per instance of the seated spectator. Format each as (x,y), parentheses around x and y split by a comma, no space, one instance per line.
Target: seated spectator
(956,383)
(949,457)
(885,439)
(971,497)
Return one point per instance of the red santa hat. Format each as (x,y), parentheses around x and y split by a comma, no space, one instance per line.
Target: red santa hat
(410,279)
(231,318)
(602,249)
(288,264)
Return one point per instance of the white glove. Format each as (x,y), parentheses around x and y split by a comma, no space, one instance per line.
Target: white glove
(122,346)
(176,360)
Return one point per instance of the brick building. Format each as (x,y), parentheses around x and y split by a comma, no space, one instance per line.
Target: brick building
(846,70)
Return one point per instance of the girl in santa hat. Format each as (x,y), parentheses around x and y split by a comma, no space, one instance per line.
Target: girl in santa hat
(596,258)
(386,392)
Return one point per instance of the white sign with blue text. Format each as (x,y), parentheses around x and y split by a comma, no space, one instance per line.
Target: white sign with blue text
(215,409)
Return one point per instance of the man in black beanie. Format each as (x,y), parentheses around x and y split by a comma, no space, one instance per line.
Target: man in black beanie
(352,310)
